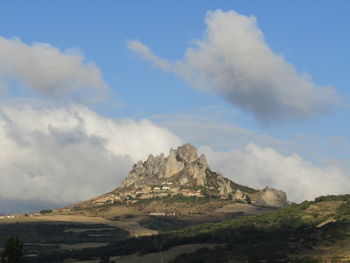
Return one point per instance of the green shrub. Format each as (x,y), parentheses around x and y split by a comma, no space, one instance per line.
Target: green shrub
(45,211)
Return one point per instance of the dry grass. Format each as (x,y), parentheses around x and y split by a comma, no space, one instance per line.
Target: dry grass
(322,209)
(82,245)
(336,252)
(82,230)
(241,207)
(164,256)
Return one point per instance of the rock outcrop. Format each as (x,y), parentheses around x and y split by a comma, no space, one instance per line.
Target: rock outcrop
(271,197)
(181,167)
(184,172)
(158,168)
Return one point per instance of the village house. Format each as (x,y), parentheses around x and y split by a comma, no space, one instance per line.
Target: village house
(34,214)
(188,192)
(162,214)
(117,198)
(104,199)
(157,214)
(146,196)
(146,189)
(9,216)
(174,189)
(162,195)
(156,189)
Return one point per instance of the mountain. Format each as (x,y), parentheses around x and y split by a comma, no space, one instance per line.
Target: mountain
(184,173)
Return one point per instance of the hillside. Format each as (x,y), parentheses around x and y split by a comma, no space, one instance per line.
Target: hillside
(316,231)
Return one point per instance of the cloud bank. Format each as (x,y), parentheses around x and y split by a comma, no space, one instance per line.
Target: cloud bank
(234,61)
(63,155)
(258,167)
(48,71)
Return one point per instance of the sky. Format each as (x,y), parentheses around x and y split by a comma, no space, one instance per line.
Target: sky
(87,88)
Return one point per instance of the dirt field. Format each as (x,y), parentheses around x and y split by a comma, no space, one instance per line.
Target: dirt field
(244,208)
(163,257)
(82,245)
(134,228)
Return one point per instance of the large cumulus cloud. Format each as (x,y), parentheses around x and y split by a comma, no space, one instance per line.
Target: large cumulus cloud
(66,154)
(234,61)
(258,167)
(48,71)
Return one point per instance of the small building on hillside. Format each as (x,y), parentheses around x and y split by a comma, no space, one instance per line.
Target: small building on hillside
(156,189)
(174,189)
(146,189)
(157,214)
(189,192)
(146,196)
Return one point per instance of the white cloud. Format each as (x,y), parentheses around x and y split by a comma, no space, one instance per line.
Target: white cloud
(62,155)
(258,167)
(234,61)
(48,71)
(146,53)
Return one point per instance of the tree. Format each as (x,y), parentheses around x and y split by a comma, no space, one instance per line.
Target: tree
(13,251)
(45,211)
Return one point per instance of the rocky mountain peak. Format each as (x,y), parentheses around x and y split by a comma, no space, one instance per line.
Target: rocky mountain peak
(158,168)
(186,153)
(183,172)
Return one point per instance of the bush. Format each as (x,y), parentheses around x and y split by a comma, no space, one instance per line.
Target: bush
(45,211)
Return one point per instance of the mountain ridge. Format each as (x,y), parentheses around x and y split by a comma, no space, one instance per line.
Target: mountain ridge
(184,173)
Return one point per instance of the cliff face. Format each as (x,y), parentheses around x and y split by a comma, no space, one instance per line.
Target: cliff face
(181,167)
(158,168)
(184,172)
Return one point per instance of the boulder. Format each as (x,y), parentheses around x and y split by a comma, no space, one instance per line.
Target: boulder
(271,197)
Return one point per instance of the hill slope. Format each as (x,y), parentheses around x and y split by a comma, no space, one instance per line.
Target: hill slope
(316,231)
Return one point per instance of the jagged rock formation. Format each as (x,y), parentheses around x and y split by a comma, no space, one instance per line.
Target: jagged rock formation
(181,167)
(157,168)
(183,172)
(271,197)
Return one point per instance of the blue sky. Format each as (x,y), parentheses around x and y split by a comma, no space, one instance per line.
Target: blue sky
(313,36)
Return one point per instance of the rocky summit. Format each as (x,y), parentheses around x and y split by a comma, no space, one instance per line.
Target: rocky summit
(185,173)
(182,168)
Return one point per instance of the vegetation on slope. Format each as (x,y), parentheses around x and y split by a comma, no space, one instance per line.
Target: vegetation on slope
(272,236)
